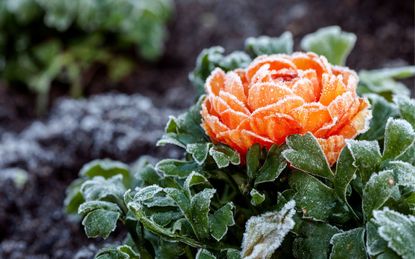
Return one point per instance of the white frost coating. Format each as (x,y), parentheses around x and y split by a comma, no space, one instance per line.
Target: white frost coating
(79,130)
(398,230)
(265,233)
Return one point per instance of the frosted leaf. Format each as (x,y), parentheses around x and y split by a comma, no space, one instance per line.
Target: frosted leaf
(406,107)
(265,233)
(366,156)
(398,230)
(265,45)
(399,135)
(331,42)
(349,242)
(315,199)
(382,110)
(305,153)
(404,173)
(377,191)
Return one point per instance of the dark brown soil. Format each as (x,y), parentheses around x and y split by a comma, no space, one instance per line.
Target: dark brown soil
(32,222)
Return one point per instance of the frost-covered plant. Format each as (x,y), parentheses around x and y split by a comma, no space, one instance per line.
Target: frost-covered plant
(274,199)
(44,40)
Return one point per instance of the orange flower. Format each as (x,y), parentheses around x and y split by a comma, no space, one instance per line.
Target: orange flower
(280,95)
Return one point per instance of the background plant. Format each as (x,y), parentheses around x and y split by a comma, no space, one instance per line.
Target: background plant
(42,40)
(282,203)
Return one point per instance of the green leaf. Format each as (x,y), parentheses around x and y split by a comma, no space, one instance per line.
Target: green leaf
(366,156)
(398,230)
(256,197)
(350,243)
(233,254)
(106,168)
(145,172)
(195,179)
(313,198)
(253,157)
(120,252)
(382,81)
(377,191)
(100,223)
(382,110)
(404,173)
(265,45)
(313,241)
(90,206)
(376,246)
(204,254)
(221,220)
(153,196)
(265,233)
(305,153)
(74,196)
(406,108)
(345,173)
(199,151)
(399,135)
(100,188)
(178,168)
(200,206)
(331,42)
(185,129)
(236,59)
(273,166)
(224,156)
(153,227)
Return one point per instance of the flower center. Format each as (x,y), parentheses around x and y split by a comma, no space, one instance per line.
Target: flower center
(284,74)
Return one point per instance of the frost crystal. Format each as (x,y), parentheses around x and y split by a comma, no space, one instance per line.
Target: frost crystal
(109,125)
(265,233)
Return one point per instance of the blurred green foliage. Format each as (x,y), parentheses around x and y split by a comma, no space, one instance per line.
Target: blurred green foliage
(45,40)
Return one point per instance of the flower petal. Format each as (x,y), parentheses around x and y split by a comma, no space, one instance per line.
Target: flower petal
(234,86)
(276,62)
(311,116)
(262,94)
(359,123)
(333,86)
(215,82)
(332,147)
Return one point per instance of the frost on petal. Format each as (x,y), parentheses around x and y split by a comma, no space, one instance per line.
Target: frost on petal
(244,139)
(232,118)
(276,62)
(233,102)
(275,127)
(342,109)
(309,61)
(234,86)
(215,82)
(304,87)
(359,123)
(311,116)
(265,233)
(333,86)
(332,147)
(284,106)
(262,94)
(211,122)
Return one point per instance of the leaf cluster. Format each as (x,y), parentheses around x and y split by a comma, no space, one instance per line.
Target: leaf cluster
(44,40)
